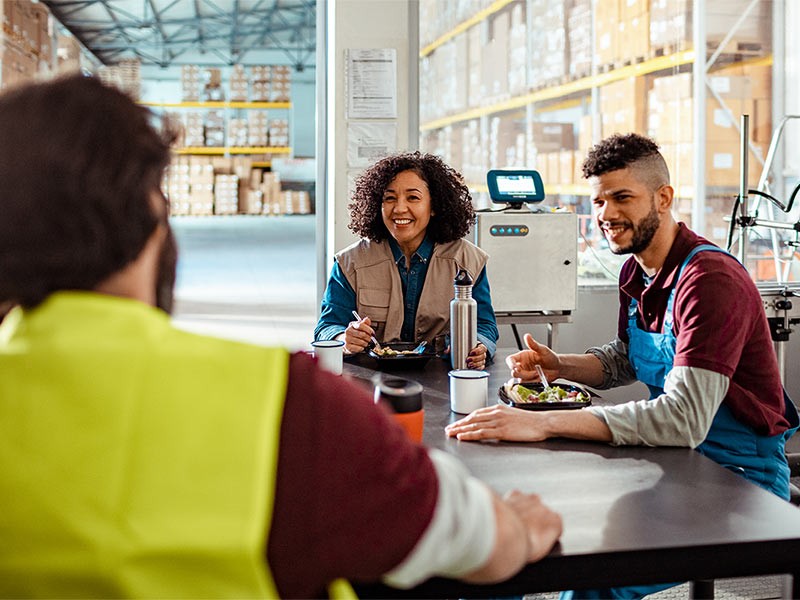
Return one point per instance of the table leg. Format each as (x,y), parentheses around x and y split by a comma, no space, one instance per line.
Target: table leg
(516,335)
(702,589)
(792,584)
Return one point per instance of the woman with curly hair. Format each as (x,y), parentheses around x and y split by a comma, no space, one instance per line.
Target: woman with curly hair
(411,211)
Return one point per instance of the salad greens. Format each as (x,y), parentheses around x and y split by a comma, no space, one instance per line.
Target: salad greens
(553,394)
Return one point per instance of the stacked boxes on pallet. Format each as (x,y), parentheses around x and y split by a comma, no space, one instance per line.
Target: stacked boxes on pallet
(191,83)
(517,49)
(579,31)
(258,128)
(270,83)
(623,106)
(239,84)
(26,41)
(550,150)
(214,128)
(548,62)
(735,92)
(204,185)
(201,191)
(125,75)
(671,22)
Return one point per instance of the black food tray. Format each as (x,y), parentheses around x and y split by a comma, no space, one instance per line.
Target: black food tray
(537,386)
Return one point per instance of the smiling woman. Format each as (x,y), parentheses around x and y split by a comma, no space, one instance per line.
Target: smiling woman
(411,211)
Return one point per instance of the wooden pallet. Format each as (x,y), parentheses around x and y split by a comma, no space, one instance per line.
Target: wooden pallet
(668,49)
(739,47)
(581,73)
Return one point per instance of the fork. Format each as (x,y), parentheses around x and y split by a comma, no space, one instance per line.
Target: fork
(377,345)
(541,376)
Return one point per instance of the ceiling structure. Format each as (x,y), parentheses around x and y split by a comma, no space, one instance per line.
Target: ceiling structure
(169,33)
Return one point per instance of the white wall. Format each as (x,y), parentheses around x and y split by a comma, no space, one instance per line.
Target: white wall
(362,24)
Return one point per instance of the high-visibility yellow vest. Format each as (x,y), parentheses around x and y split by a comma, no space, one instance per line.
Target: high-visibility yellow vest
(136,460)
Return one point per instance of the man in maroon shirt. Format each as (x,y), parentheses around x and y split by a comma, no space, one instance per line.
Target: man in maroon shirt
(691,327)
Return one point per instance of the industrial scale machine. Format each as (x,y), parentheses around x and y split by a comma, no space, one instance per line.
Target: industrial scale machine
(533,264)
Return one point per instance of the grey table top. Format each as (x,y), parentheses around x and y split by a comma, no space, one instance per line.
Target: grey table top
(632,515)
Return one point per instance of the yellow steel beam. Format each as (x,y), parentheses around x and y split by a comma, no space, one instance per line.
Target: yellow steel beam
(464,25)
(652,65)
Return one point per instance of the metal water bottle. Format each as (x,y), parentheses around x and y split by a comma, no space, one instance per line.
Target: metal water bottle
(463,320)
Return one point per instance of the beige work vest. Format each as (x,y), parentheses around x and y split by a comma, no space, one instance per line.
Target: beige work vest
(372,272)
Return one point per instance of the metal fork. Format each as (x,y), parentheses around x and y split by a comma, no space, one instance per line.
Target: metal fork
(377,345)
(541,376)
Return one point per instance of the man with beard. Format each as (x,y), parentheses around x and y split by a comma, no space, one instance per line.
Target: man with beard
(691,326)
(141,461)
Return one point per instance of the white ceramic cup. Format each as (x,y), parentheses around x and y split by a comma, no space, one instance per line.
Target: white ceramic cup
(329,354)
(469,390)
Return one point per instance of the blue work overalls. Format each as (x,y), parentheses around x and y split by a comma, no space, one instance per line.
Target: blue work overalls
(732,444)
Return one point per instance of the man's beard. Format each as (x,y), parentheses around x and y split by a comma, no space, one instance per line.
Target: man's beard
(167,269)
(643,232)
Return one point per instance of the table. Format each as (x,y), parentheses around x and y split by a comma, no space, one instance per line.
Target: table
(632,515)
(549,318)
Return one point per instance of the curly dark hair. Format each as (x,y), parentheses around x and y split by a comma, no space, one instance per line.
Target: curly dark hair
(79,162)
(630,150)
(451,201)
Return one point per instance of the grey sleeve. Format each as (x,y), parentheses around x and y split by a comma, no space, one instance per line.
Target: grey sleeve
(681,416)
(617,369)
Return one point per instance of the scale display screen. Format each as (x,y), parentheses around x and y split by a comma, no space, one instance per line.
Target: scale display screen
(515,187)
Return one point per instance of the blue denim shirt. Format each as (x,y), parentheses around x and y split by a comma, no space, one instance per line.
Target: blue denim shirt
(340,299)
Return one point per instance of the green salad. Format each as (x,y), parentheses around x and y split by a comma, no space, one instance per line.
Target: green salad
(520,394)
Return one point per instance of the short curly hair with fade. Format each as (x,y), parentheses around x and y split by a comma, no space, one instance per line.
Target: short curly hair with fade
(451,201)
(628,151)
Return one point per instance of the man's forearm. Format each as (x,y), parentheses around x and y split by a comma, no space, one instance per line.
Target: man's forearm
(576,425)
(582,368)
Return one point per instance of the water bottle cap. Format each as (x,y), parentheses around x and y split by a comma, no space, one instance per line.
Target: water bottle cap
(462,278)
(403,395)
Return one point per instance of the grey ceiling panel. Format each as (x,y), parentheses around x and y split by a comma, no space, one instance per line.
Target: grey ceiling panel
(170,33)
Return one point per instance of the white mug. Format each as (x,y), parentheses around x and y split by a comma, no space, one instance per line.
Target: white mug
(330,354)
(469,390)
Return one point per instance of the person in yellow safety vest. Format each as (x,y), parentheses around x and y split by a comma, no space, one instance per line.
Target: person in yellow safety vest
(138,460)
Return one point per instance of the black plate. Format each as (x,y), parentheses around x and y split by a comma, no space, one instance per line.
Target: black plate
(538,387)
(402,361)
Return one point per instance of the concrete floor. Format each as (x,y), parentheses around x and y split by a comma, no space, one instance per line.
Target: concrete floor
(247,278)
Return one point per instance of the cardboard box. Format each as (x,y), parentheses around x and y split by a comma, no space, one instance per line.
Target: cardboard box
(672,87)
(606,23)
(673,122)
(633,38)
(760,80)
(585,133)
(566,167)
(494,69)
(761,121)
(731,86)
(723,165)
(6,16)
(579,27)
(553,168)
(622,105)
(551,137)
(577,163)
(631,9)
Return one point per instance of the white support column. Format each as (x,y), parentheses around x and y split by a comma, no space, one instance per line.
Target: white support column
(699,85)
(359,24)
